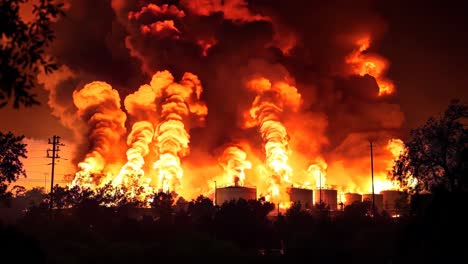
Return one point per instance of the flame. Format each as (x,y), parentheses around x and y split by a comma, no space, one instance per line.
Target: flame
(99,105)
(234,162)
(266,112)
(318,171)
(132,174)
(363,63)
(165,125)
(178,103)
(396,147)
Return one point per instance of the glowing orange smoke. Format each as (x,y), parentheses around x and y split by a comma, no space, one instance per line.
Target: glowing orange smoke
(206,44)
(235,10)
(363,63)
(141,108)
(99,105)
(161,28)
(319,171)
(156,10)
(234,162)
(267,112)
(178,102)
(381,182)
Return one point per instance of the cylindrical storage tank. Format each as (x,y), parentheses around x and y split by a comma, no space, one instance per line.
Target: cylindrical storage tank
(230,193)
(303,196)
(393,200)
(350,198)
(326,196)
(378,199)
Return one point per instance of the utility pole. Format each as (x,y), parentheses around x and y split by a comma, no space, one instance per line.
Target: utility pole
(55,155)
(320,187)
(372,175)
(215,200)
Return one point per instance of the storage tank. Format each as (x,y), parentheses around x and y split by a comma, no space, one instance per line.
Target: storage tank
(227,194)
(327,196)
(378,199)
(393,200)
(303,196)
(350,198)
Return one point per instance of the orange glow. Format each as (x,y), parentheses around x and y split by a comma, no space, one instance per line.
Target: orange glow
(178,103)
(206,44)
(371,64)
(156,10)
(236,10)
(318,171)
(266,113)
(161,27)
(234,162)
(99,105)
(160,115)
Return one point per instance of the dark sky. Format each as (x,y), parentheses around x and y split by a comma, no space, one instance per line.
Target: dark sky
(425,42)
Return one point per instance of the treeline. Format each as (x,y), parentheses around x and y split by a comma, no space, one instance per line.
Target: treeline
(90,227)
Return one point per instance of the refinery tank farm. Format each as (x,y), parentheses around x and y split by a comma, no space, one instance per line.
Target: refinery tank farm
(391,201)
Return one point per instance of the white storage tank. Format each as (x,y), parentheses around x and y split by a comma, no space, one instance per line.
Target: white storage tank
(393,200)
(303,196)
(378,200)
(350,198)
(227,194)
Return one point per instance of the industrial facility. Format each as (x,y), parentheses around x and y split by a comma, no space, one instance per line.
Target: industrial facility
(391,201)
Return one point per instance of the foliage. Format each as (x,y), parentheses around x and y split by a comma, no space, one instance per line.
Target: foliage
(11,168)
(436,153)
(162,205)
(22,49)
(77,197)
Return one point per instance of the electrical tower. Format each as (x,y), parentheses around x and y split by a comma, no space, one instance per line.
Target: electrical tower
(55,155)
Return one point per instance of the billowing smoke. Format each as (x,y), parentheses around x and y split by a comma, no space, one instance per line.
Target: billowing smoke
(99,106)
(268,110)
(141,108)
(324,93)
(180,107)
(371,64)
(234,162)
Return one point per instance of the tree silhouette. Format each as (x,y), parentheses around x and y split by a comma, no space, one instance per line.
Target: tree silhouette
(202,212)
(162,205)
(22,49)
(11,150)
(436,153)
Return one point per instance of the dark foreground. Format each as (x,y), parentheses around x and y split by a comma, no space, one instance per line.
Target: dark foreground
(427,231)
